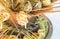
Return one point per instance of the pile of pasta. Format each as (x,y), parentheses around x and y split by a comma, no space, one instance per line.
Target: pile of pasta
(3,17)
(15,12)
(30,5)
(19,8)
(36,29)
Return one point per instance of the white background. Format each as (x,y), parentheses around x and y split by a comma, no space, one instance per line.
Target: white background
(55,19)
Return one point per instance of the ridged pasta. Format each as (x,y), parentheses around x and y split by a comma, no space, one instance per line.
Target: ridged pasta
(22,18)
(3,16)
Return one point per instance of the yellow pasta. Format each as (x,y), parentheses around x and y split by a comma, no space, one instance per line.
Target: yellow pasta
(46,2)
(22,18)
(0,26)
(3,16)
(12,37)
(1,7)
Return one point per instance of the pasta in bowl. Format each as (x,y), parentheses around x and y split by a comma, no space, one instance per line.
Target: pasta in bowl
(38,27)
(18,25)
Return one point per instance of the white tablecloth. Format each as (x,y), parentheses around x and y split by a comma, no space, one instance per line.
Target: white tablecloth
(55,19)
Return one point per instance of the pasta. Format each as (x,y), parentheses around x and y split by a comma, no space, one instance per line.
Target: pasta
(22,18)
(0,26)
(46,2)
(37,6)
(3,16)
(31,32)
(35,27)
(30,5)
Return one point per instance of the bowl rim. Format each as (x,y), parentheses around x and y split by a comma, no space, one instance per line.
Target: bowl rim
(50,28)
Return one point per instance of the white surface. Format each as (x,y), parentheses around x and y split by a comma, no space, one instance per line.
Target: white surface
(55,19)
